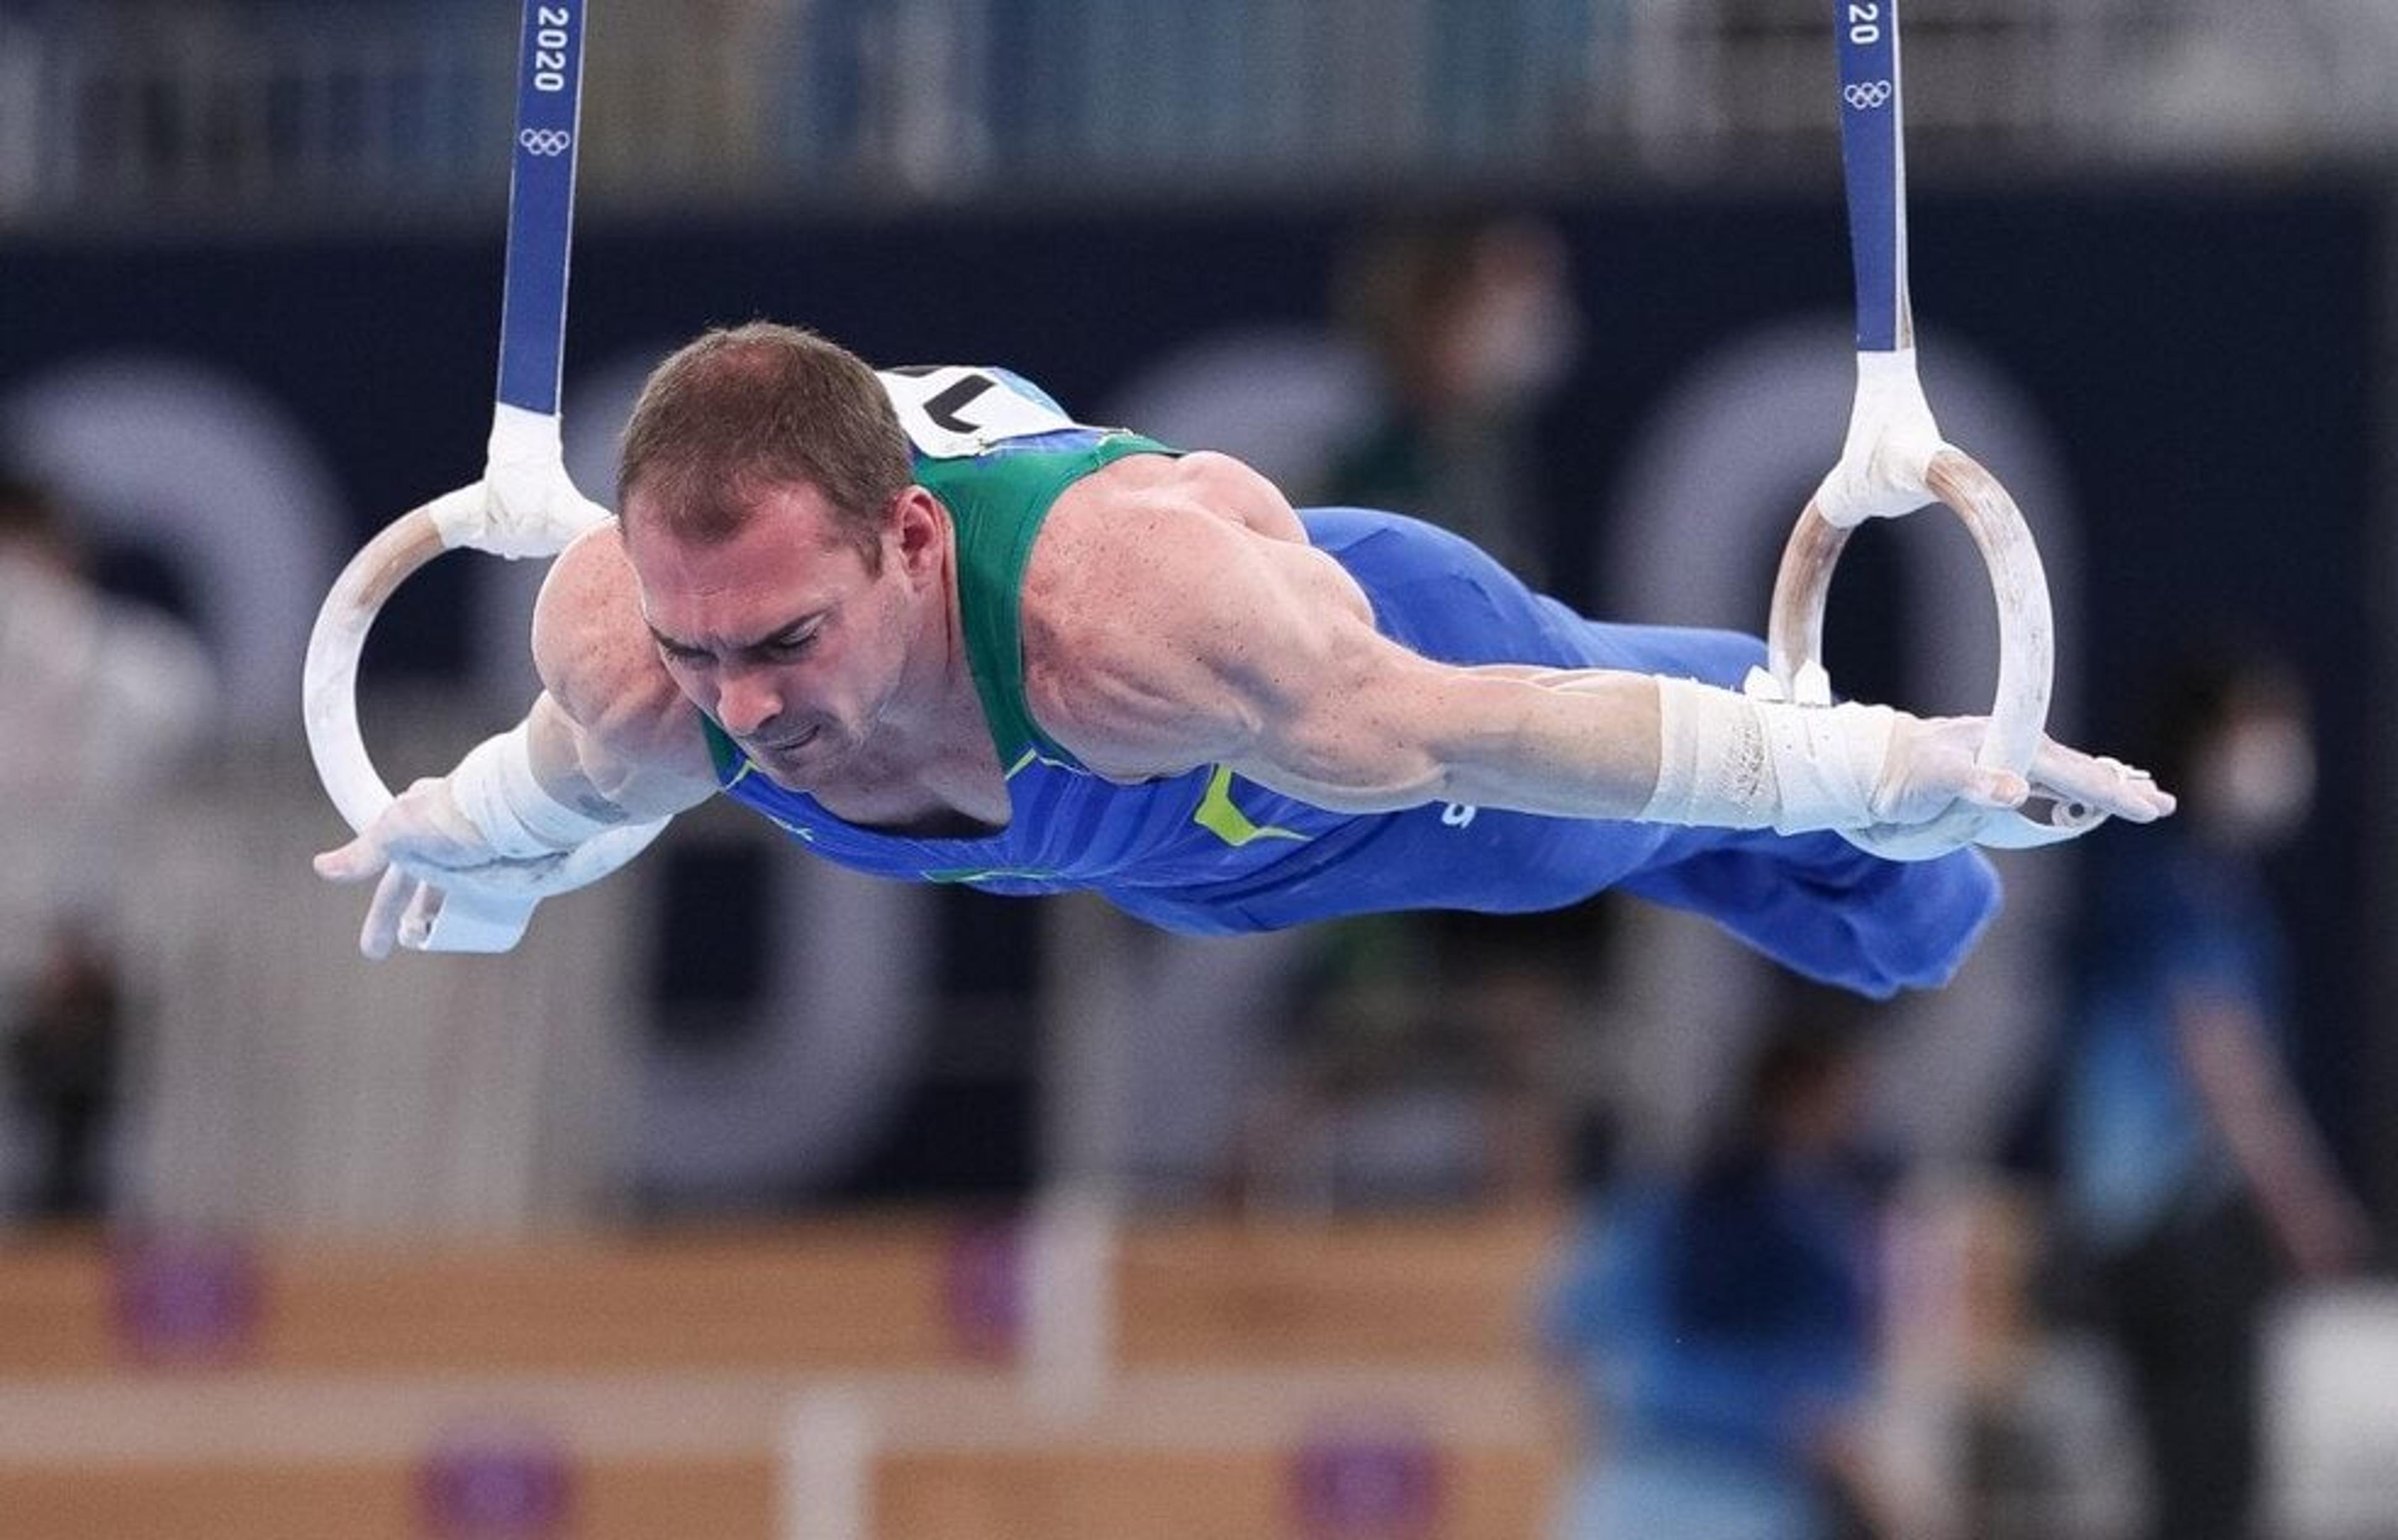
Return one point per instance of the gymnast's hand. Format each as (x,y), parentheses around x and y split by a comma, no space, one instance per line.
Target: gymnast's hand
(1930,767)
(422,839)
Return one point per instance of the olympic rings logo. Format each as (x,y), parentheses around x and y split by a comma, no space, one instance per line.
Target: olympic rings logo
(1867,94)
(546,142)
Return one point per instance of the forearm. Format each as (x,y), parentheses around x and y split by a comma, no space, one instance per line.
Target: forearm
(1448,734)
(548,785)
(1610,744)
(577,768)
(522,818)
(1578,743)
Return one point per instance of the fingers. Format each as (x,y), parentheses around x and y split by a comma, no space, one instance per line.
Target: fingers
(421,827)
(401,914)
(354,862)
(2108,786)
(392,898)
(2002,789)
(416,922)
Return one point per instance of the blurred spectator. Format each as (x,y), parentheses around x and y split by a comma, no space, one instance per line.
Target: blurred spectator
(61,1062)
(2189,1177)
(1723,1328)
(1401,1090)
(99,699)
(1470,325)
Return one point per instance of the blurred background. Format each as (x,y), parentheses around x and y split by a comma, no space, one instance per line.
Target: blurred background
(750,1199)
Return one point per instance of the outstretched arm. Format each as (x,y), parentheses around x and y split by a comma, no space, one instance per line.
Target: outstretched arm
(610,741)
(1262,653)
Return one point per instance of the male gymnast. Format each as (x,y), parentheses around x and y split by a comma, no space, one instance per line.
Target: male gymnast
(937,630)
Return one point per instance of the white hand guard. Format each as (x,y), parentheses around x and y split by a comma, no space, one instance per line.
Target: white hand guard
(1875,776)
(1732,762)
(491,844)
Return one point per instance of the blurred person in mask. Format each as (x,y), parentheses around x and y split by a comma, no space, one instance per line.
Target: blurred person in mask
(100,701)
(1470,325)
(2190,1180)
(1723,1329)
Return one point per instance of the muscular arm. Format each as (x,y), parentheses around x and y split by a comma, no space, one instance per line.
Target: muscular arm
(1261,652)
(609,741)
(1180,619)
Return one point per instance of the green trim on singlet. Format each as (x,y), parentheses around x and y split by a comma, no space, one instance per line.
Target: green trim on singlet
(997,503)
(729,761)
(1219,816)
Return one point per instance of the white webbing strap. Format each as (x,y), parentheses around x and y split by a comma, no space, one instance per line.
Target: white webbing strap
(1727,760)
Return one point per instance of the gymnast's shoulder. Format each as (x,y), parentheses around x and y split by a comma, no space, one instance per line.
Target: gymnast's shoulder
(1201,481)
(593,650)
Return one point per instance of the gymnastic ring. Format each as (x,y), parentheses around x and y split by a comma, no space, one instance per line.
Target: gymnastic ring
(330,703)
(2026,636)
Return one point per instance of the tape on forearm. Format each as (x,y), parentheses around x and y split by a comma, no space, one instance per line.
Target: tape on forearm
(1728,761)
(496,790)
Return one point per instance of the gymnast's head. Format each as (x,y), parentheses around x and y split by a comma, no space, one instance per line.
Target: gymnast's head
(2234,728)
(790,569)
(743,412)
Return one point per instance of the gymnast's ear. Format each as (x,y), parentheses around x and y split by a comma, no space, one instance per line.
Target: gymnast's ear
(918,535)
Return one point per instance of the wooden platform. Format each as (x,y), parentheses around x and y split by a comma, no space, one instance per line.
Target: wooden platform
(823,1296)
(658,1382)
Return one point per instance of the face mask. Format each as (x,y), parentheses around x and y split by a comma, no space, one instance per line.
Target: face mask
(1515,329)
(2257,781)
(1517,342)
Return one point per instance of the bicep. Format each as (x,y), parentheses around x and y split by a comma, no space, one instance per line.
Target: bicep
(1382,728)
(1197,642)
(1365,726)
(1180,640)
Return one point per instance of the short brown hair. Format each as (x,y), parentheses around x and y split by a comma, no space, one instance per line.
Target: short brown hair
(745,409)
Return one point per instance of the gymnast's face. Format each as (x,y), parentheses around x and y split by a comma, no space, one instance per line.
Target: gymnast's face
(785,636)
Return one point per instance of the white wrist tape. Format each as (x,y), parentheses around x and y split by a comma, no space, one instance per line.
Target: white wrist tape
(495,789)
(1729,762)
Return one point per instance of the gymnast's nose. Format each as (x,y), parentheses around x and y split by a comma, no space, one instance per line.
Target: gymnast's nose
(747,701)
